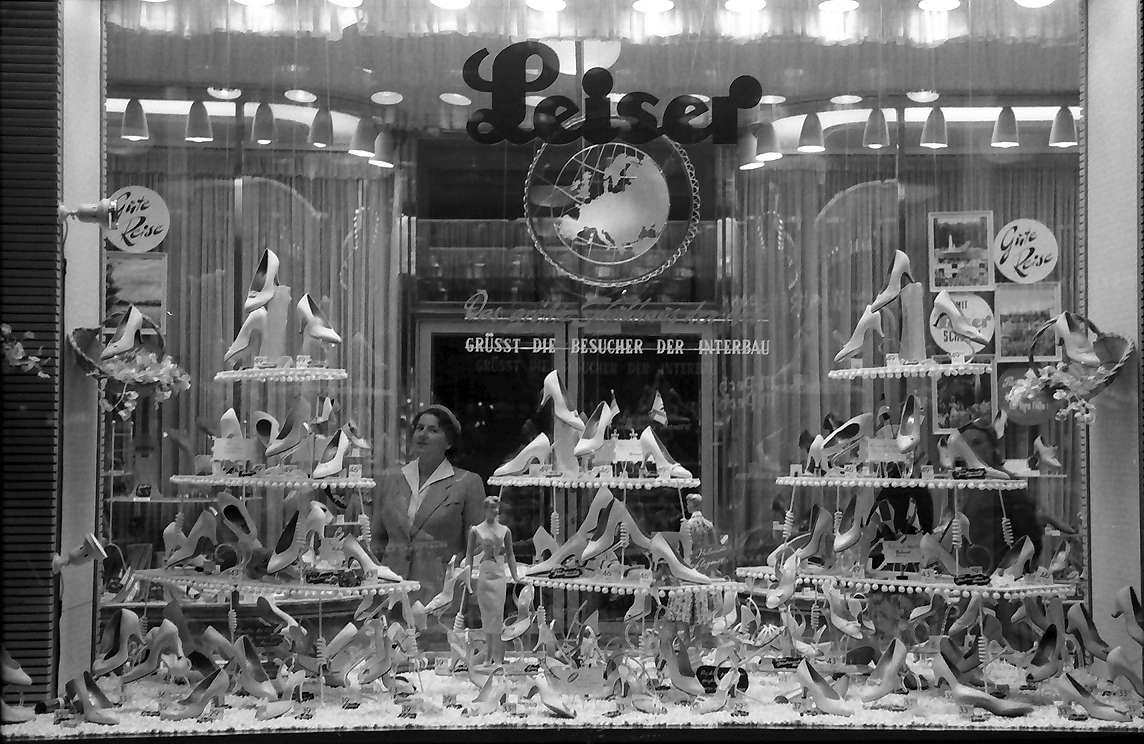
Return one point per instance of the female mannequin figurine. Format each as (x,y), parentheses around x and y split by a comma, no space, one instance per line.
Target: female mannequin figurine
(489,543)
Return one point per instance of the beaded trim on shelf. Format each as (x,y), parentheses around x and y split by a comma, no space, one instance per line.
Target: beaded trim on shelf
(190,579)
(254,481)
(984,484)
(925,369)
(562,481)
(282,374)
(916,586)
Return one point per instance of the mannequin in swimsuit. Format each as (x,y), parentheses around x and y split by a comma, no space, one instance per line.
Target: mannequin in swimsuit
(490,542)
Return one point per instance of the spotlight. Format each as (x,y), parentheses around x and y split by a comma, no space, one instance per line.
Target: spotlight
(810,139)
(134,125)
(1005,129)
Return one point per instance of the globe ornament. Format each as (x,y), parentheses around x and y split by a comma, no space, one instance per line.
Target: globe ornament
(600,214)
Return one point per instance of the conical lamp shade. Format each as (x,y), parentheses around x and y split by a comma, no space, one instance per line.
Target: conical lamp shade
(876,135)
(383,153)
(322,128)
(810,138)
(134,126)
(362,142)
(1005,130)
(935,133)
(747,144)
(199,124)
(1063,133)
(767,148)
(265,129)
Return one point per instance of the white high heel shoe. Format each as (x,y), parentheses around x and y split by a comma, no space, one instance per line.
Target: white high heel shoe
(553,389)
(871,319)
(665,464)
(353,550)
(899,277)
(335,451)
(593,437)
(1046,455)
(945,307)
(292,433)
(843,438)
(127,334)
(263,283)
(909,426)
(954,448)
(1072,334)
(537,449)
(266,428)
(229,426)
(255,323)
(313,323)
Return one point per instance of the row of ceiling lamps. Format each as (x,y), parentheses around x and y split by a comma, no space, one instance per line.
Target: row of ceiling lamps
(759,145)
(368,141)
(663,6)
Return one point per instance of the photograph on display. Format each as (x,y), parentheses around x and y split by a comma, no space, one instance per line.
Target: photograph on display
(959,251)
(959,399)
(1020,310)
(138,279)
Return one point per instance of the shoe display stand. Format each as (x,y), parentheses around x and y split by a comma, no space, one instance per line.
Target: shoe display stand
(587,481)
(862,481)
(1017,590)
(284,481)
(222,584)
(923,369)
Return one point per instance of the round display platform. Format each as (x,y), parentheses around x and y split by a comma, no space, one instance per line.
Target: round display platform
(924,369)
(191,579)
(282,374)
(942,586)
(860,481)
(255,481)
(563,481)
(620,586)
(168,499)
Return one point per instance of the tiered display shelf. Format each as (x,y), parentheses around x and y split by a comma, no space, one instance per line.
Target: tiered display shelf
(922,369)
(937,585)
(190,579)
(621,586)
(861,481)
(282,374)
(255,481)
(618,483)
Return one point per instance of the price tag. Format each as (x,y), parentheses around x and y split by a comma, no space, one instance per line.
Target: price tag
(795,470)
(306,714)
(893,360)
(302,361)
(927,472)
(349,704)
(408,710)
(262,362)
(957,357)
(449,700)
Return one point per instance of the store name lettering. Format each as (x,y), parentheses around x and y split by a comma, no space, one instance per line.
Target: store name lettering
(622,310)
(635,123)
(616,346)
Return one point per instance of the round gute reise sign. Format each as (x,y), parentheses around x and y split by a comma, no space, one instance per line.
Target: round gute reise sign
(599,214)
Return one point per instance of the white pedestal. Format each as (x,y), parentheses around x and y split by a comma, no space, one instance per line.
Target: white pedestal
(913,341)
(564,439)
(278,315)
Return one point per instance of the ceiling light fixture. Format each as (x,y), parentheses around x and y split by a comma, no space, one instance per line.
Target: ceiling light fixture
(134,124)
(265,129)
(455,99)
(935,133)
(747,145)
(1063,132)
(300,95)
(383,152)
(810,139)
(224,94)
(255,3)
(653,6)
(547,6)
(1005,129)
(838,6)
(876,135)
(451,4)
(923,96)
(322,128)
(939,6)
(199,124)
(744,6)
(846,99)
(1034,3)
(772,99)
(387,97)
(346,3)
(767,147)
(362,142)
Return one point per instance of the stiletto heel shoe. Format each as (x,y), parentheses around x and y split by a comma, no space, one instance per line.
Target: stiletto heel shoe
(94,693)
(266,428)
(606,536)
(295,537)
(537,449)
(825,697)
(160,640)
(899,277)
(313,324)
(212,643)
(661,550)
(787,581)
(850,528)
(1046,660)
(553,389)
(665,464)
(335,454)
(292,433)
(1120,666)
(77,691)
(822,529)
(599,512)
(593,437)
(840,616)
(871,320)
(846,437)
(909,426)
(953,448)
(815,457)
(524,614)
(206,526)
(263,283)
(253,677)
(1128,603)
(945,307)
(886,675)
(1046,455)
(969,617)
(970,696)
(1072,334)
(321,422)
(933,552)
(237,518)
(453,575)
(128,335)
(1074,692)
(229,427)
(1014,563)
(117,635)
(173,537)
(254,326)
(276,617)
(210,689)
(1078,623)
(13,673)
(556,703)
(354,551)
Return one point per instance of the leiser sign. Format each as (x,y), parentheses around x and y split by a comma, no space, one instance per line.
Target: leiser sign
(558,120)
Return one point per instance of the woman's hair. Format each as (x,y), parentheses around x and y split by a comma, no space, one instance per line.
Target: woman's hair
(493,500)
(448,421)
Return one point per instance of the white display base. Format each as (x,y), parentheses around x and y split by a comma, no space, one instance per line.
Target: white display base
(191,579)
(982,484)
(563,481)
(254,481)
(282,374)
(1016,590)
(923,369)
